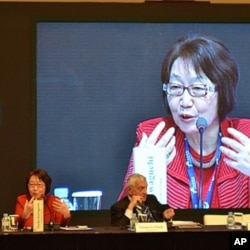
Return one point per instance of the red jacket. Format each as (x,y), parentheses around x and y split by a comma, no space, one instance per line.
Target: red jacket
(49,213)
(232,188)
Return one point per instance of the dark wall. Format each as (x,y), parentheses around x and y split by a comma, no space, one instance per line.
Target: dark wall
(17,120)
(17,52)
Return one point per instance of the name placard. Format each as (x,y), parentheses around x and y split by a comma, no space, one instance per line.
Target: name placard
(248,225)
(38,224)
(151,227)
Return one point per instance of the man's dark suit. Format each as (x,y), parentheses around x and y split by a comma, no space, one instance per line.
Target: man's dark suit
(118,209)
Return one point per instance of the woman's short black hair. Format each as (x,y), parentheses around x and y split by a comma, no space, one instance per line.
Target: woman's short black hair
(43,176)
(214,59)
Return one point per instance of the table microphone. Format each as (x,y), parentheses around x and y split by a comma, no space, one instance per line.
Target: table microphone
(201,125)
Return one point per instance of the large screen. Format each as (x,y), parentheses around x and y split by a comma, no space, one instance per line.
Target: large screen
(95,81)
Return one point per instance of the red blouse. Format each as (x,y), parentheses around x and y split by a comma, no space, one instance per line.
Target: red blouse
(232,188)
(49,213)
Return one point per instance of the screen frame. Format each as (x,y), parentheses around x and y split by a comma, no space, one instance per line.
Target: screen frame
(156,12)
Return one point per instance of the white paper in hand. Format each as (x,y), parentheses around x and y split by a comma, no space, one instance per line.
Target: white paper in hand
(151,162)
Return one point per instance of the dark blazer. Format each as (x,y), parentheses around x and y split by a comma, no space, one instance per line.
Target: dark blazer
(118,209)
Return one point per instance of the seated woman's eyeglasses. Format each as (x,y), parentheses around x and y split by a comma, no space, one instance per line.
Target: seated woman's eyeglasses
(38,185)
(195,90)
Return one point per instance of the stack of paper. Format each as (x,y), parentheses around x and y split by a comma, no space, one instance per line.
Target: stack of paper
(186,224)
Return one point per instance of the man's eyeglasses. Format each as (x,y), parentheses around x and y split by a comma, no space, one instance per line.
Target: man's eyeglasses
(195,90)
(38,185)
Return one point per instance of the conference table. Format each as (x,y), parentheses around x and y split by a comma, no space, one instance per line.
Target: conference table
(202,238)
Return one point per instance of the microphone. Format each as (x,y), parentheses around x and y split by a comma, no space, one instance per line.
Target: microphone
(201,125)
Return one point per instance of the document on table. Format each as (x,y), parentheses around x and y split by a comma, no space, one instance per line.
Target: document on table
(186,224)
(76,228)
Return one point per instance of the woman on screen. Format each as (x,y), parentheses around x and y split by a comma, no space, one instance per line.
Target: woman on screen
(38,186)
(199,80)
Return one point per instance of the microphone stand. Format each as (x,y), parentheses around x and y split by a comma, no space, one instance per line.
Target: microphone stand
(201,130)
(51,220)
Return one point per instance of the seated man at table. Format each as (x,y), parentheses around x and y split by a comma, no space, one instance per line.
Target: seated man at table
(138,201)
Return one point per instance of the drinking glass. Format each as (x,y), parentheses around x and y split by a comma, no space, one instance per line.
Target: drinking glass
(238,220)
(142,217)
(14,222)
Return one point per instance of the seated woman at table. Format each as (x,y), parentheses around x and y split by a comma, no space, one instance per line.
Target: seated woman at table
(38,186)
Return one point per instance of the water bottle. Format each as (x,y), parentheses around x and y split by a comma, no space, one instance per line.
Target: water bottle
(133,220)
(230,220)
(5,223)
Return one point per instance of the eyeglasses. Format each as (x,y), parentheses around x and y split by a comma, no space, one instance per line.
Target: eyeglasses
(195,90)
(38,185)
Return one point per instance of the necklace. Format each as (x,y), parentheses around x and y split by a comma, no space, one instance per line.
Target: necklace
(204,164)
